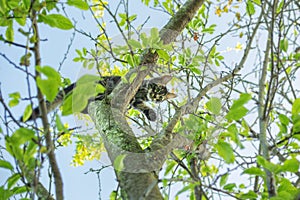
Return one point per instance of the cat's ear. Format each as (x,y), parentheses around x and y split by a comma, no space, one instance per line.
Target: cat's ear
(163,80)
(171,95)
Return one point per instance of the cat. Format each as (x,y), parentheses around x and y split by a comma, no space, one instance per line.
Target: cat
(153,90)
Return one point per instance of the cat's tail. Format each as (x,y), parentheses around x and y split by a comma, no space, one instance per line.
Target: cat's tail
(50,106)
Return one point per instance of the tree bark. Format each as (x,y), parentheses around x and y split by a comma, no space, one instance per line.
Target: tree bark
(134,167)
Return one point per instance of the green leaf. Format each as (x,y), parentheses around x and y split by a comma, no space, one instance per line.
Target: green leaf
(280,6)
(229,186)
(291,165)
(267,164)
(237,110)
(20,190)
(21,20)
(21,136)
(250,8)
(122,15)
(163,54)
(169,167)
(224,179)
(18,138)
(185,188)
(249,195)
(258,2)
(6,165)
(244,98)
(59,124)
(296,107)
(285,185)
(113,195)
(13,4)
(135,44)
(81,4)
(236,114)
(15,95)
(27,113)
(26,4)
(145,40)
(254,171)
(50,86)
(195,70)
(9,34)
(284,44)
(284,119)
(57,21)
(132,17)
(13,102)
(100,88)
(214,105)
(87,87)
(225,151)
(234,133)
(11,181)
(3,7)
(67,106)
(119,162)
(132,77)
(154,34)
(129,58)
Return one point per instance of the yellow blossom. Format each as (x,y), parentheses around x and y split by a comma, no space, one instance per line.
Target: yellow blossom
(218,11)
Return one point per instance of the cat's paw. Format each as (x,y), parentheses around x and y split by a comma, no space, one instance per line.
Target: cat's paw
(150,114)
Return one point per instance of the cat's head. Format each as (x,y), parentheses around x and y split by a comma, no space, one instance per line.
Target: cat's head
(157,89)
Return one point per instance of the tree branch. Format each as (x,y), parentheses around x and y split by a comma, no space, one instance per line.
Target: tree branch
(134,175)
(46,127)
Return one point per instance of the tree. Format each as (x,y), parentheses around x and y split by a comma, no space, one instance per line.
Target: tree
(237,114)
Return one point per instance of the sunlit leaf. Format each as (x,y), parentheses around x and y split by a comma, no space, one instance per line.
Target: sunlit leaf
(296,107)
(119,162)
(11,181)
(87,87)
(280,6)
(169,167)
(225,151)
(6,165)
(248,195)
(236,113)
(224,179)
(214,105)
(284,44)
(132,77)
(81,4)
(244,98)
(284,119)
(254,171)
(229,186)
(27,113)
(50,86)
(10,32)
(163,54)
(135,44)
(258,2)
(291,165)
(250,8)
(267,164)
(21,136)
(185,188)
(57,21)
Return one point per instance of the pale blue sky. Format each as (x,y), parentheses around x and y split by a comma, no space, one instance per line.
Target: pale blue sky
(77,185)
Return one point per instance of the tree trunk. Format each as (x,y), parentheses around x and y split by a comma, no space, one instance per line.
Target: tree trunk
(135,168)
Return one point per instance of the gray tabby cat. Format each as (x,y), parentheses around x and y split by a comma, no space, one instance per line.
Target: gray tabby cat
(153,90)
